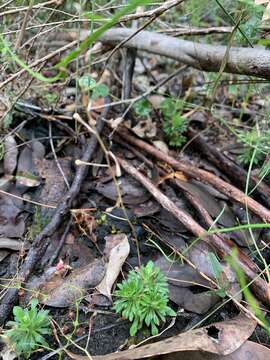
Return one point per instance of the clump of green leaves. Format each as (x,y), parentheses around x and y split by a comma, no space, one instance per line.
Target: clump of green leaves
(174,124)
(143,298)
(142,108)
(252,15)
(88,84)
(28,329)
(256,146)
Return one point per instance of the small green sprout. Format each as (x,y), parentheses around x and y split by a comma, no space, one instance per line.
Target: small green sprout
(222,282)
(174,124)
(252,140)
(88,84)
(28,329)
(143,298)
(142,108)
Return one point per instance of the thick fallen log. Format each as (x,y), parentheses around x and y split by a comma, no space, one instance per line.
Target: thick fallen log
(239,60)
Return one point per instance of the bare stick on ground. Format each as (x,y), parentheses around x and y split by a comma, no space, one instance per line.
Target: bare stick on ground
(235,173)
(201,175)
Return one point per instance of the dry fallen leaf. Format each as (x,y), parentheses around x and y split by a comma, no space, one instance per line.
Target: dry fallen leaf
(220,338)
(161,145)
(145,129)
(132,192)
(156,100)
(180,278)
(29,163)
(11,153)
(11,224)
(3,254)
(72,288)
(8,353)
(248,351)
(116,250)
(13,244)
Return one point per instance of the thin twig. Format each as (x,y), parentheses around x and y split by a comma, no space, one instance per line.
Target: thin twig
(23,27)
(25,8)
(27,200)
(38,62)
(61,243)
(145,94)
(56,158)
(155,15)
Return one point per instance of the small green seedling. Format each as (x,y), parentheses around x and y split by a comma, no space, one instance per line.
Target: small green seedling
(252,140)
(142,108)
(88,84)
(174,124)
(28,329)
(143,298)
(223,284)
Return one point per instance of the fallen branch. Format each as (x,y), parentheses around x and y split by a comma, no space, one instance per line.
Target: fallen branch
(240,60)
(191,31)
(42,240)
(201,175)
(235,173)
(222,247)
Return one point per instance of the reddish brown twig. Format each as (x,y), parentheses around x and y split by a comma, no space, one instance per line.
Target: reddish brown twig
(223,248)
(235,173)
(201,175)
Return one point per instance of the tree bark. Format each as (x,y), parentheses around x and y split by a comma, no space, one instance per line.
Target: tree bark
(240,60)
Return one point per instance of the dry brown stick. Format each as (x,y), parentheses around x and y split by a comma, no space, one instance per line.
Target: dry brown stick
(189,30)
(235,173)
(201,175)
(23,27)
(155,12)
(189,195)
(25,8)
(223,248)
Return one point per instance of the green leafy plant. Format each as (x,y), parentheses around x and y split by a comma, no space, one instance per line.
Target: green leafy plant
(143,298)
(88,84)
(252,140)
(28,329)
(142,108)
(251,15)
(174,124)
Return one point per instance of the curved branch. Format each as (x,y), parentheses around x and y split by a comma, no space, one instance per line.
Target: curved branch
(240,60)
